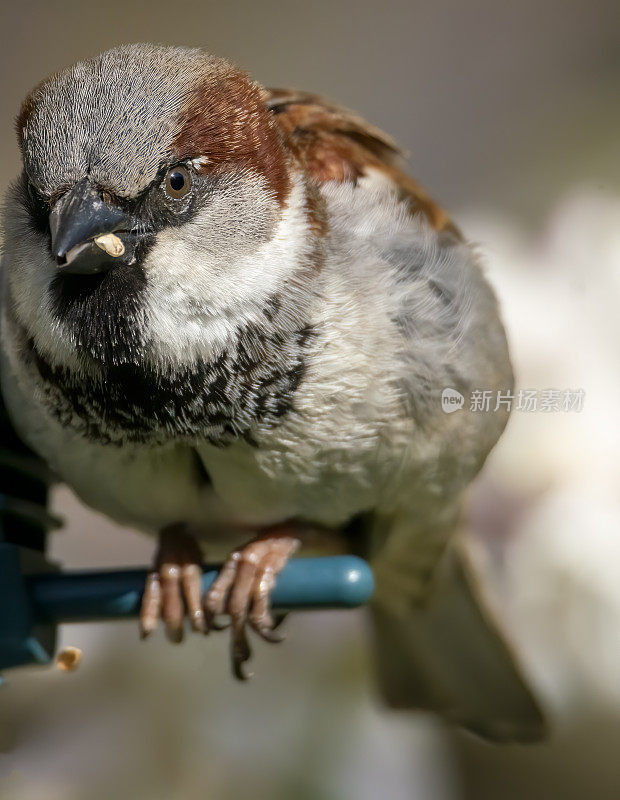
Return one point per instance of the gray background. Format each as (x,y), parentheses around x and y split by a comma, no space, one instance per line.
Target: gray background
(499,103)
(511,113)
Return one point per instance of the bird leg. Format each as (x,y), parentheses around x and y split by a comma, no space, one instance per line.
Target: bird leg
(173,588)
(242,590)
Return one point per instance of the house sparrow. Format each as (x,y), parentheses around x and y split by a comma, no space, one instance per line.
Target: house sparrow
(228,316)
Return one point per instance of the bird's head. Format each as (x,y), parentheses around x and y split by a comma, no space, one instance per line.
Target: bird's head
(158,206)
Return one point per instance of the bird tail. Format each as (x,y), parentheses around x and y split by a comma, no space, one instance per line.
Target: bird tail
(445,654)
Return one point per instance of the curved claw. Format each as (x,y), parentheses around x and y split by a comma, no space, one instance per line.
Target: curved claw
(265,625)
(279,619)
(242,589)
(269,635)
(240,652)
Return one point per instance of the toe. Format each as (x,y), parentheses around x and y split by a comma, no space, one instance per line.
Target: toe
(191,584)
(260,617)
(270,565)
(172,601)
(216,598)
(238,608)
(151,605)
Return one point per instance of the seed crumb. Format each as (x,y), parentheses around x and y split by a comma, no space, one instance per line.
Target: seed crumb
(69,659)
(112,245)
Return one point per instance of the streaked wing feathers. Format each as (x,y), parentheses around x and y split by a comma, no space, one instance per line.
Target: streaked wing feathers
(334,143)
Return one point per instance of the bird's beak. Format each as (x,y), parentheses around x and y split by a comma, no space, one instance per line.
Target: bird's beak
(88,234)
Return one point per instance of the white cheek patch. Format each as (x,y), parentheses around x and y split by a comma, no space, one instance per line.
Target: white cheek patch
(204,279)
(207,276)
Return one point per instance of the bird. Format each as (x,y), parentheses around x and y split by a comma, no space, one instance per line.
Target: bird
(231,319)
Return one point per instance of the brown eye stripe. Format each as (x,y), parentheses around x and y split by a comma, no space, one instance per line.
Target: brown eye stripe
(225,120)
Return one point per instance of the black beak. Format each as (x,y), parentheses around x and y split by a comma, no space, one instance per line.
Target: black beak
(77,219)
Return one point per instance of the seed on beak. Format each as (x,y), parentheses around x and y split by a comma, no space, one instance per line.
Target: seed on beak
(112,245)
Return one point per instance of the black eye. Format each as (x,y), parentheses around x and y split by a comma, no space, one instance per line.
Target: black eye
(178,182)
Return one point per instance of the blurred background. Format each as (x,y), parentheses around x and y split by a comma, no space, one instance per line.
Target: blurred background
(511,114)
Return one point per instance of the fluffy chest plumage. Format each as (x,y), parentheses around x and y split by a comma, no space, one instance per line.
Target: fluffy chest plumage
(250,383)
(328,414)
(320,462)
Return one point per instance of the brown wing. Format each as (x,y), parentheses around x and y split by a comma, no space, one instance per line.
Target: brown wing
(334,143)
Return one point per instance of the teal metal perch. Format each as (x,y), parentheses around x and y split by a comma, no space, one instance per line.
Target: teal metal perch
(34,604)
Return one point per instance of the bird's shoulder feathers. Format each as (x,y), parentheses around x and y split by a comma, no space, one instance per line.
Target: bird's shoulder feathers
(336,144)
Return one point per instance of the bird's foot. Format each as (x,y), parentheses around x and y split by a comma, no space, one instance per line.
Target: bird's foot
(242,590)
(174,588)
